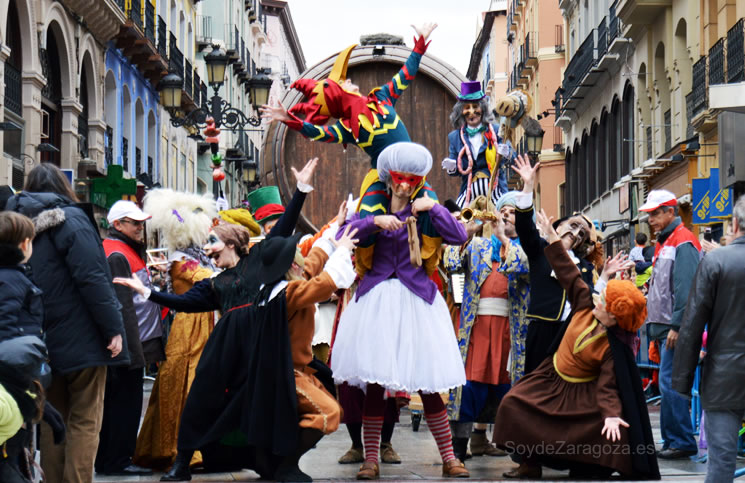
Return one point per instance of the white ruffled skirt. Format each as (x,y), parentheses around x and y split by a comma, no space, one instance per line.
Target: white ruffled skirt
(394,338)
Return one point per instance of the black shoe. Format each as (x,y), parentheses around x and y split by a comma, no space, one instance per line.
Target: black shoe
(131,470)
(676,454)
(180,469)
(291,474)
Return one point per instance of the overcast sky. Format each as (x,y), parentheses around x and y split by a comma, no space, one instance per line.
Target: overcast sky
(328,26)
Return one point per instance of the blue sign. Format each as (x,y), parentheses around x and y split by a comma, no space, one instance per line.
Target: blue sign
(721,200)
(701,194)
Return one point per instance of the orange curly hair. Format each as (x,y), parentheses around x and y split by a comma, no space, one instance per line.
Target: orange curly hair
(626,303)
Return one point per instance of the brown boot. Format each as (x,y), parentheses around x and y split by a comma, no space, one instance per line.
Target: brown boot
(524,472)
(455,469)
(368,471)
(353,455)
(480,445)
(388,455)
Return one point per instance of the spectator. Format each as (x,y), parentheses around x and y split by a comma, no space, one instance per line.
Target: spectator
(716,299)
(122,405)
(82,323)
(675,262)
(637,253)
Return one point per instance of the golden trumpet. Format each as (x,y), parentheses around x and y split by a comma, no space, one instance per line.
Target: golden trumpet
(468,214)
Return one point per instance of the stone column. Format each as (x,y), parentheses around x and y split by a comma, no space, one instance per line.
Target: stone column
(96,142)
(69,147)
(6,163)
(33,82)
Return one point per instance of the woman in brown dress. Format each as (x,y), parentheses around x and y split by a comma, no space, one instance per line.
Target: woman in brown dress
(580,410)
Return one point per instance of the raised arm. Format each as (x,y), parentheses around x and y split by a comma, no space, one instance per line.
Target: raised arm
(336,133)
(286,224)
(393,89)
(527,232)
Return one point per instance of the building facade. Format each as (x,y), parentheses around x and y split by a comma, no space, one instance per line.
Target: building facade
(536,59)
(624,106)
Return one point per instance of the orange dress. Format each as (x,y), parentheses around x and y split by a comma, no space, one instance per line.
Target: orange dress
(489,344)
(156,443)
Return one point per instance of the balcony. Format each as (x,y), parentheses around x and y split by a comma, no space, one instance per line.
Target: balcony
(102,17)
(578,75)
(559,38)
(642,12)
(531,49)
(162,39)
(137,40)
(698,94)
(735,58)
(197,89)
(716,63)
(188,80)
(204,32)
(13,99)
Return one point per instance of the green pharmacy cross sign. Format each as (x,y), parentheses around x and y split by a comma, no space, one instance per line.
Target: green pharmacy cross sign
(107,191)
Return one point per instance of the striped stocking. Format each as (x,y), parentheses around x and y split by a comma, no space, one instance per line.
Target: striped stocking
(371,428)
(440,428)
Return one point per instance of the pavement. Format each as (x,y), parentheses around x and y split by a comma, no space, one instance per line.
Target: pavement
(420,460)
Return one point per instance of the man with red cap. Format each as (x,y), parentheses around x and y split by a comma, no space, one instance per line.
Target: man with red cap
(676,258)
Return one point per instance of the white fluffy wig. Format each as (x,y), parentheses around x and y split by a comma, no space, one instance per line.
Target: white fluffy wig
(183,219)
(404,157)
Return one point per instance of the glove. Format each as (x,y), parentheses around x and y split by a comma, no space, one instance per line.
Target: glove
(449,165)
(54,419)
(504,150)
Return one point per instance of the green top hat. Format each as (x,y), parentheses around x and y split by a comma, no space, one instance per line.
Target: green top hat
(265,204)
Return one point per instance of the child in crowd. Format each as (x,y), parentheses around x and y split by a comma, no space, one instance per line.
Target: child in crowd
(21,310)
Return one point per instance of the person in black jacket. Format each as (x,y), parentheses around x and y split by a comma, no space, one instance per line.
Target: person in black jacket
(82,323)
(716,300)
(21,310)
(548,306)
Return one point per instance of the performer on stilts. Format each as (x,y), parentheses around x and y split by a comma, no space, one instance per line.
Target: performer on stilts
(397,334)
(473,147)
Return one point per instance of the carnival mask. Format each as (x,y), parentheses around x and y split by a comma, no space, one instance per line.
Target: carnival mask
(576,229)
(472,114)
(214,247)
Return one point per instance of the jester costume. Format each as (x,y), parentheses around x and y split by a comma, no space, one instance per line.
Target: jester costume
(371,123)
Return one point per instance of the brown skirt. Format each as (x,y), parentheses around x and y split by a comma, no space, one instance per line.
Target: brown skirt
(547,420)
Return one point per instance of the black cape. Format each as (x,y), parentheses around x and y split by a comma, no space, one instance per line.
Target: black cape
(633,404)
(242,401)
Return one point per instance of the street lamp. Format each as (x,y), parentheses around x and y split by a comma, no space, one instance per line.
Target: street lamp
(248,171)
(170,87)
(260,85)
(534,142)
(226,116)
(216,61)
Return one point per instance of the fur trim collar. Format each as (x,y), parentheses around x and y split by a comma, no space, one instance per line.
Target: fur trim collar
(48,219)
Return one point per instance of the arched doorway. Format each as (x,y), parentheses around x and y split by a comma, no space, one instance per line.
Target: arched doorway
(139,137)
(126,128)
(50,142)
(83,117)
(152,148)
(111,106)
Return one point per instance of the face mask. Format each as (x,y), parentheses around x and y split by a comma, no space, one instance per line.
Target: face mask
(411,179)
(471,110)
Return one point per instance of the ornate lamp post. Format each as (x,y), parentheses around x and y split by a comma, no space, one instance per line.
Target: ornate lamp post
(225,116)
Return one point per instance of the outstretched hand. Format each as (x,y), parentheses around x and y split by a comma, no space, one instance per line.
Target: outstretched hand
(618,263)
(545,224)
(348,239)
(341,216)
(611,430)
(305,175)
(274,113)
(527,172)
(424,30)
(132,282)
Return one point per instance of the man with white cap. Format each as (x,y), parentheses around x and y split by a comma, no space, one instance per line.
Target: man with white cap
(676,258)
(125,252)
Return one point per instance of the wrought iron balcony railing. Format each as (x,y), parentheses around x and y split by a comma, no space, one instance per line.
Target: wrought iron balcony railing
(716,63)
(197,88)
(135,13)
(176,58)
(735,56)
(13,83)
(125,153)
(150,22)
(614,25)
(108,146)
(162,38)
(689,115)
(582,61)
(204,96)
(138,160)
(698,98)
(603,37)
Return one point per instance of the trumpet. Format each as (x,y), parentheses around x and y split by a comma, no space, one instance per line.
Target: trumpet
(468,214)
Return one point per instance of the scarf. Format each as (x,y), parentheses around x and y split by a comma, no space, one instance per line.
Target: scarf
(472,131)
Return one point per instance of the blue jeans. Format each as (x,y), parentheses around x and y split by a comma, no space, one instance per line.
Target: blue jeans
(721,435)
(675,416)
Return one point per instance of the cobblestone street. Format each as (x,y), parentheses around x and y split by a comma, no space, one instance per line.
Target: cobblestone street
(421,460)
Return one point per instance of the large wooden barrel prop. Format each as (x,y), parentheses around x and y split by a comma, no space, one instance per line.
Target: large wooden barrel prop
(424,107)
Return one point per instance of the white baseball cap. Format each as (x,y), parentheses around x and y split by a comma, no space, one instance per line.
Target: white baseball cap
(657,198)
(126,209)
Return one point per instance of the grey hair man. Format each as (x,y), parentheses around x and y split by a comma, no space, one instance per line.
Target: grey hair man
(716,299)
